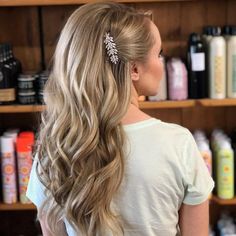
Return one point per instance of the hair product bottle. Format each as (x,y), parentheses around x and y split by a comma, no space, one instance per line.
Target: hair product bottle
(225,170)
(8,170)
(177,79)
(231,64)
(197,78)
(206,38)
(162,90)
(217,67)
(24,163)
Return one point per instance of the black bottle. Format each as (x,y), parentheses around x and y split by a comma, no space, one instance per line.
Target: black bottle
(196,60)
(7,85)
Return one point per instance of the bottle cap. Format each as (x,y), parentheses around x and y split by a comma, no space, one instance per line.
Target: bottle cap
(203,146)
(207,30)
(233,30)
(226,30)
(216,31)
(194,37)
(11,134)
(23,144)
(29,135)
(7,144)
(225,145)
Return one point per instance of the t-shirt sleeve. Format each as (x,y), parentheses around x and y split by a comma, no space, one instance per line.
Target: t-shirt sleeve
(35,190)
(197,180)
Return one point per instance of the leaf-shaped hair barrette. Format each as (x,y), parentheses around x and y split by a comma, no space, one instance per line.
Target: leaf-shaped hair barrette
(111,48)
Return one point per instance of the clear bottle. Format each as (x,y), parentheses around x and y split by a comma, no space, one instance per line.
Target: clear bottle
(231,64)
(217,66)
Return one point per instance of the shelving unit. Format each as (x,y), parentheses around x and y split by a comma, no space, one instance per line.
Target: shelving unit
(23,207)
(217,102)
(69,2)
(223,202)
(21,108)
(143,105)
(16,207)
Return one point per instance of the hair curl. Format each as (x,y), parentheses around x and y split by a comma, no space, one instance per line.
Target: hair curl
(81,140)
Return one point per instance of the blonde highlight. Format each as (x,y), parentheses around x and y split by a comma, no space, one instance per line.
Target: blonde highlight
(81,157)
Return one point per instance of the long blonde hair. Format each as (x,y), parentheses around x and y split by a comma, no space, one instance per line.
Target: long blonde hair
(81,139)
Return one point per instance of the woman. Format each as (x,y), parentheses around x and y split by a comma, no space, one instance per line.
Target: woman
(103,167)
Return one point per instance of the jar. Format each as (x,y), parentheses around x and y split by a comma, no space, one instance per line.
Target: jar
(26,82)
(26,97)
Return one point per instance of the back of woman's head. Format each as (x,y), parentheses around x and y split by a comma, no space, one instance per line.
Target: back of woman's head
(81,151)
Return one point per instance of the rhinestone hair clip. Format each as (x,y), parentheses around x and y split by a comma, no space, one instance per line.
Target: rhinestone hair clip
(111,48)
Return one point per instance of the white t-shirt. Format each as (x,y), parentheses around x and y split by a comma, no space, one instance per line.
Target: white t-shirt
(163,170)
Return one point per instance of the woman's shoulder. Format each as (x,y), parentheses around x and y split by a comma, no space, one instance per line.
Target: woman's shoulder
(157,126)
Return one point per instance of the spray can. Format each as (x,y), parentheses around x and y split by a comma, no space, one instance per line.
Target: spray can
(8,170)
(24,163)
(225,171)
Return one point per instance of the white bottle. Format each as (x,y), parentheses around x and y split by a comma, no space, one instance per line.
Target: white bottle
(204,149)
(231,64)
(217,67)
(162,90)
(8,170)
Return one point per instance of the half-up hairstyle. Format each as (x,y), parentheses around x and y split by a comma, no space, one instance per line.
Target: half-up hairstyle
(81,141)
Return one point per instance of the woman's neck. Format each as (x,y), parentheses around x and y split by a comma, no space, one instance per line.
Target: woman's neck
(134,114)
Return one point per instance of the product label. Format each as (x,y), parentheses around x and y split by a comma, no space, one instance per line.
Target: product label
(24,167)
(218,75)
(225,175)
(198,61)
(7,95)
(234,74)
(9,178)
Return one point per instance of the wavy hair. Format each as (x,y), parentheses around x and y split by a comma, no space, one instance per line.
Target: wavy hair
(81,157)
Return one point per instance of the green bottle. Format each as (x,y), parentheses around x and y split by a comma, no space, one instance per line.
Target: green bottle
(225,170)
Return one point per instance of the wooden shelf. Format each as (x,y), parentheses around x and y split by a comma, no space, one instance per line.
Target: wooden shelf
(16,207)
(217,102)
(167,104)
(220,201)
(21,108)
(143,105)
(4,3)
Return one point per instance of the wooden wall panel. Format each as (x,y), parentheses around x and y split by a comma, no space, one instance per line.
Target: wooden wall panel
(166,115)
(19,26)
(230,13)
(230,119)
(24,121)
(205,118)
(216,13)
(54,18)
(192,18)
(167,18)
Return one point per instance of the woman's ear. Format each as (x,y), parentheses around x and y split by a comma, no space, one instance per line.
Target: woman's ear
(134,71)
